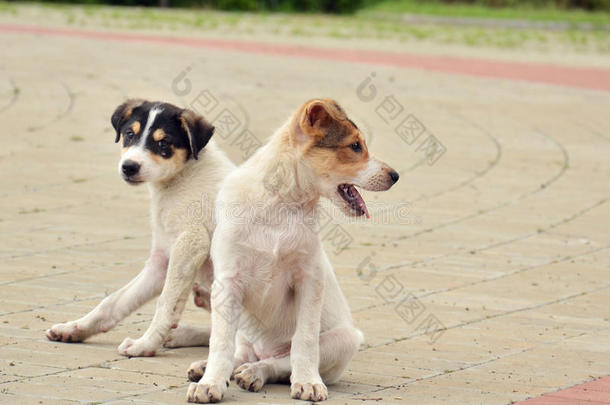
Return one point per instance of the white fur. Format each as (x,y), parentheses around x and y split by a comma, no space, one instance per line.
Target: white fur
(152,115)
(374,177)
(182,224)
(271,269)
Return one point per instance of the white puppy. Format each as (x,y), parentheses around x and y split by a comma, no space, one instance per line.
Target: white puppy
(168,148)
(270,266)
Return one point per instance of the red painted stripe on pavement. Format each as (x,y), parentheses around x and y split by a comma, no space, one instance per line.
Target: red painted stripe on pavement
(592,393)
(589,78)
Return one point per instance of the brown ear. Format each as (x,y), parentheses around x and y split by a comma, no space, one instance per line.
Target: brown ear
(197,129)
(317,119)
(320,113)
(313,119)
(122,114)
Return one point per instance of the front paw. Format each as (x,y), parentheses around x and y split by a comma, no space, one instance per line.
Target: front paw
(309,391)
(137,348)
(206,393)
(68,332)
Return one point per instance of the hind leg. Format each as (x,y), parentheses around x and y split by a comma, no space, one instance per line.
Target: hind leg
(253,376)
(201,296)
(337,347)
(188,336)
(243,353)
(115,307)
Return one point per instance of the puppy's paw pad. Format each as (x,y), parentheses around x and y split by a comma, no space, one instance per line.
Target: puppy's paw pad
(205,393)
(249,377)
(65,332)
(308,391)
(196,370)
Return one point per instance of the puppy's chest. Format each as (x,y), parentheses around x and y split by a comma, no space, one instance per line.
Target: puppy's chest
(281,255)
(166,225)
(279,248)
(170,218)
(286,242)
(276,254)
(272,292)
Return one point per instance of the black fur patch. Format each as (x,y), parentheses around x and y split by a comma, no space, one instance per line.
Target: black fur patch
(183,129)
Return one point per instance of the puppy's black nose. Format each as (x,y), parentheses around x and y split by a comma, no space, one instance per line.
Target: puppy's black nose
(394,176)
(130,168)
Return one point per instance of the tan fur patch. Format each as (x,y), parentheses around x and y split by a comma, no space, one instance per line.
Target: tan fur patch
(130,105)
(177,160)
(330,150)
(135,127)
(324,122)
(180,155)
(158,134)
(341,161)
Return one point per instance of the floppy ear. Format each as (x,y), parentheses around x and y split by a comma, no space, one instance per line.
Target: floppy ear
(318,114)
(315,119)
(122,114)
(197,129)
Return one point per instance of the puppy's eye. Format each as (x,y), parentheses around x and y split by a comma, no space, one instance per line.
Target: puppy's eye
(356,147)
(163,146)
(129,134)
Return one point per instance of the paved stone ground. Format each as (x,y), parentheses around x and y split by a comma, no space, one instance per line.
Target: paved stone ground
(502,242)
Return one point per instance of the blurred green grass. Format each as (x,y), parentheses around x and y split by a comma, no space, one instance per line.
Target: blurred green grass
(287,26)
(520,11)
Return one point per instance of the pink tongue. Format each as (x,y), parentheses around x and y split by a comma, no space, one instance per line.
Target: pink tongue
(354,193)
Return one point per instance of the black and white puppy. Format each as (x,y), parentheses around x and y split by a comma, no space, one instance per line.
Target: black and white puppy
(170,150)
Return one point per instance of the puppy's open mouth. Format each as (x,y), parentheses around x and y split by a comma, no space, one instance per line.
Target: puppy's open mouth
(352,197)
